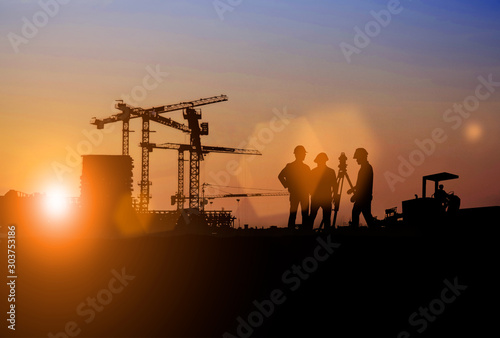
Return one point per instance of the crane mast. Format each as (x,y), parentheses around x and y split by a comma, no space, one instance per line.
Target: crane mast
(194,164)
(147,115)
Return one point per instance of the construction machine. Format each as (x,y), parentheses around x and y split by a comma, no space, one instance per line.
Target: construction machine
(439,213)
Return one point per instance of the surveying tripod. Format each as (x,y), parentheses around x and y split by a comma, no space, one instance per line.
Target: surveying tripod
(340,184)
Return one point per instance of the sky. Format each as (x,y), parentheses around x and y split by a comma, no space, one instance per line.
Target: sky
(416,83)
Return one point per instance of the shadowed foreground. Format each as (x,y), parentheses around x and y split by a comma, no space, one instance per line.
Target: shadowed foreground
(285,286)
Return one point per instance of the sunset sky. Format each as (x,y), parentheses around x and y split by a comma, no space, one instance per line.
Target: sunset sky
(416,83)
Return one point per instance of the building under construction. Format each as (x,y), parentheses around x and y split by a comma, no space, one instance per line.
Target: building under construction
(106,194)
(107,207)
(110,196)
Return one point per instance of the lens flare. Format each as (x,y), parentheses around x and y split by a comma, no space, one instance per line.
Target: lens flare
(473,132)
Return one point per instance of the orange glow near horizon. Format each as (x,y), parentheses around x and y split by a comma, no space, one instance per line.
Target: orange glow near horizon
(385,100)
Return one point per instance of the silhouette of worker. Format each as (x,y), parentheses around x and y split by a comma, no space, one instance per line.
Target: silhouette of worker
(295,177)
(441,196)
(449,201)
(323,187)
(363,190)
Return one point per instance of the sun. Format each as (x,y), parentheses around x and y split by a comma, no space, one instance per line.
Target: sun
(56,203)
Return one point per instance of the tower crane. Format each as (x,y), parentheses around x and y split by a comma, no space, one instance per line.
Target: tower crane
(194,128)
(194,169)
(238,195)
(205,198)
(256,194)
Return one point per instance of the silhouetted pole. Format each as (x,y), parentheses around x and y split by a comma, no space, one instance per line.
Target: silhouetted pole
(239,213)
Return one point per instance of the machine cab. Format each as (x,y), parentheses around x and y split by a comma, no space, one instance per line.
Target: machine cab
(426,211)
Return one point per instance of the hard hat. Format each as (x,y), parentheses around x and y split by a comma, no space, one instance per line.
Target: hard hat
(321,158)
(360,152)
(299,149)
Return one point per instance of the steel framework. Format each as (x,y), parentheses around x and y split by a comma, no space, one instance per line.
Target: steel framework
(153,114)
(194,168)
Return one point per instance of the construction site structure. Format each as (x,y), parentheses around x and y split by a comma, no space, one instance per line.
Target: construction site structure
(106,192)
(195,213)
(205,198)
(194,128)
(194,165)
